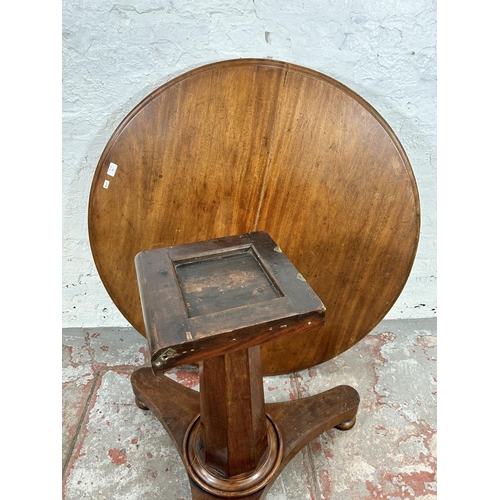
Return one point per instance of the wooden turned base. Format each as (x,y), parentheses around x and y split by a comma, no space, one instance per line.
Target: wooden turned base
(295,423)
(243,484)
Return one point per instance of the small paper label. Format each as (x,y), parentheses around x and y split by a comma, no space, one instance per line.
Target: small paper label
(112,169)
(106,184)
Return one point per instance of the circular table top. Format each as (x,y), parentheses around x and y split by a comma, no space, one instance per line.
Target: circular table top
(248,145)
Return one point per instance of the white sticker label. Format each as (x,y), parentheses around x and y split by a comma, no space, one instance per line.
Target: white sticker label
(106,184)
(112,169)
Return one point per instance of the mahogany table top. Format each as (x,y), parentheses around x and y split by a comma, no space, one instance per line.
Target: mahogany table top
(249,145)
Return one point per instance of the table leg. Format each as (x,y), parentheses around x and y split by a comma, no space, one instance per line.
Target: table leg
(299,422)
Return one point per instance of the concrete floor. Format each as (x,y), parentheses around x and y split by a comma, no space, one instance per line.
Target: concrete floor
(113,450)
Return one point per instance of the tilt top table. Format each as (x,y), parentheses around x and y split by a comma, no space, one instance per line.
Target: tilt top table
(273,218)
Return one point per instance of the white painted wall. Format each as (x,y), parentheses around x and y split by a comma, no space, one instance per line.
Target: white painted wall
(115,52)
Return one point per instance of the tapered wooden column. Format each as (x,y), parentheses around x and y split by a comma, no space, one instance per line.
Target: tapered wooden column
(230,402)
(232,446)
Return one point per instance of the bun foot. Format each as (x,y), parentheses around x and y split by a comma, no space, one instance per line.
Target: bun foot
(141,405)
(348,424)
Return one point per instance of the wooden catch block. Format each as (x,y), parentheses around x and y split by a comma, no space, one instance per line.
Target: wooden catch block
(213,297)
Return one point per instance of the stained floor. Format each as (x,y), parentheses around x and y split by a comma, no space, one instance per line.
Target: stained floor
(113,450)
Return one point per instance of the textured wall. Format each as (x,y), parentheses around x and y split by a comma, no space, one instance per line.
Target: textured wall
(116,52)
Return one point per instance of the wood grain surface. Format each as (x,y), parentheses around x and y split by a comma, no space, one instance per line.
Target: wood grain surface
(247,145)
